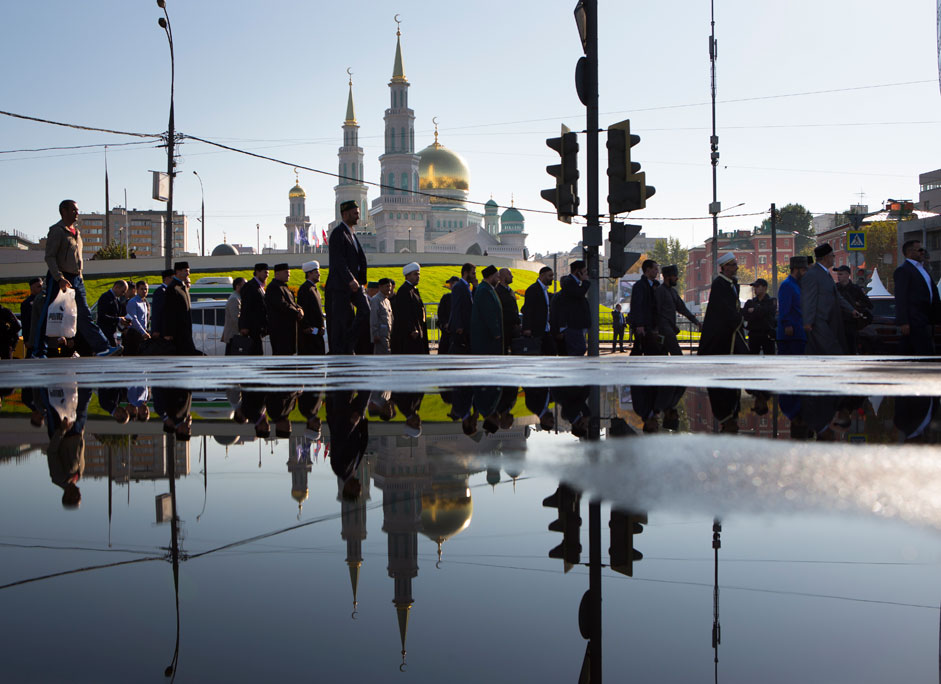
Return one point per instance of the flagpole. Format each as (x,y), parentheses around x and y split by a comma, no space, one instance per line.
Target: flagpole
(107,203)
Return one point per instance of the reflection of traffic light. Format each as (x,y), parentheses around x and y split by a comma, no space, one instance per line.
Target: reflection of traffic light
(623,528)
(568,503)
(618,238)
(564,196)
(627,186)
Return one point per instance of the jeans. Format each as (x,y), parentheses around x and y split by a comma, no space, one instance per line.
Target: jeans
(87,328)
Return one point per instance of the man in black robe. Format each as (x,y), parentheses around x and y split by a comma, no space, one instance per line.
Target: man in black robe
(344,288)
(157,301)
(310,339)
(177,326)
(253,318)
(511,310)
(444,316)
(722,331)
(283,313)
(409,330)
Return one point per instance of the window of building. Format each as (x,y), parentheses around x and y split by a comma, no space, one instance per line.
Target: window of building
(761,244)
(762,260)
(391,188)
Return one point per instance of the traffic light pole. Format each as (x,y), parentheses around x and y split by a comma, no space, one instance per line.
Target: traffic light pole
(591,234)
(594,588)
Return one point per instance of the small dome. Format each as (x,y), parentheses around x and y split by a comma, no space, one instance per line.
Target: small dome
(225,249)
(490,203)
(297,191)
(512,215)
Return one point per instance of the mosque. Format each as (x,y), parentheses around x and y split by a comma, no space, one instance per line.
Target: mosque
(423,199)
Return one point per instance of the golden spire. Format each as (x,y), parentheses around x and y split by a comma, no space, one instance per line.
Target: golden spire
(512,200)
(354,580)
(434,120)
(350,113)
(403,609)
(398,71)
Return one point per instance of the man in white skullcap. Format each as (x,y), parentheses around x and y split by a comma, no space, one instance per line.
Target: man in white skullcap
(310,331)
(722,331)
(409,329)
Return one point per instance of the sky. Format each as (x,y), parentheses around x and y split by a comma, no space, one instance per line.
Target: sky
(825,104)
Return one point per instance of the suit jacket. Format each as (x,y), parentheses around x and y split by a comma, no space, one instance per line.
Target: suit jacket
(574,310)
(408,316)
(110,310)
(347,260)
(722,325)
(156,308)
(916,304)
(444,312)
(511,313)
(668,303)
(789,310)
(536,310)
(486,321)
(254,315)
(233,307)
(178,318)
(642,305)
(282,317)
(821,306)
(380,318)
(26,316)
(461,304)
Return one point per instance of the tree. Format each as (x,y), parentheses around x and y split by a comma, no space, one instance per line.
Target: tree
(881,241)
(114,250)
(670,251)
(794,218)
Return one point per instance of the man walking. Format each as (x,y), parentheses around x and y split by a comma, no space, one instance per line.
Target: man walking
(409,331)
(311,340)
(487,316)
(157,301)
(859,300)
(344,288)
(64,259)
(138,318)
(617,327)
(253,319)
(381,318)
(283,313)
(461,305)
(644,312)
(177,313)
(792,339)
(822,306)
(760,313)
(536,312)
(667,303)
(26,313)
(233,307)
(444,318)
(574,313)
(511,311)
(111,310)
(722,327)
(916,303)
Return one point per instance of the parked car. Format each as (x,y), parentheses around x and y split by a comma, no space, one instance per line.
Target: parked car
(882,337)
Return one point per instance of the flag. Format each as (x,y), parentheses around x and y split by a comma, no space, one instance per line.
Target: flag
(304,239)
(313,234)
(297,236)
(326,242)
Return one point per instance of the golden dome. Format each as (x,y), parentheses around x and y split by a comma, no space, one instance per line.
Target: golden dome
(297,191)
(441,169)
(446,510)
(299,495)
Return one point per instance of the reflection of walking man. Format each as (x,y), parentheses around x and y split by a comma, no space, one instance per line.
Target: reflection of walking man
(348,275)
(64,258)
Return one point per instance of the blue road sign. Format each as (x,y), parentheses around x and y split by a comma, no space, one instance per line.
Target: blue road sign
(855,240)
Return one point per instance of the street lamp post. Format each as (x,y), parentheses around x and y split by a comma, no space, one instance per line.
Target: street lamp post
(202,218)
(164,23)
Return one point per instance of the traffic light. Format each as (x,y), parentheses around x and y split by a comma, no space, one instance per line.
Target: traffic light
(564,196)
(618,238)
(627,188)
(568,503)
(623,527)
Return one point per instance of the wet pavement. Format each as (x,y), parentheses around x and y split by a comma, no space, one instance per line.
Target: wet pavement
(405,519)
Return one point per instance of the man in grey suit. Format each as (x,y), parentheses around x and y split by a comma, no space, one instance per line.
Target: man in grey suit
(822,306)
(233,307)
(461,305)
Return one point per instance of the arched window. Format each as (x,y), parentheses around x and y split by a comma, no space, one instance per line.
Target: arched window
(404,182)
(390,145)
(402,140)
(391,187)
(360,171)
(411,139)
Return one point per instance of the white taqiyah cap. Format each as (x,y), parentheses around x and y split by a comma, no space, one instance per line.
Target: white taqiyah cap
(410,268)
(311,266)
(725,258)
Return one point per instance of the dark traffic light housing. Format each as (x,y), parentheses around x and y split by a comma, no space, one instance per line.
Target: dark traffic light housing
(619,237)
(564,196)
(623,526)
(627,187)
(568,503)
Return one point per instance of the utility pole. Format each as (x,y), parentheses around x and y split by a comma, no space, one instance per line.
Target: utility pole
(774,251)
(716,205)
(591,234)
(107,204)
(164,23)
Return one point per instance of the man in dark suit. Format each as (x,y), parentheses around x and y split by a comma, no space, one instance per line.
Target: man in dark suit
(511,310)
(444,318)
(643,313)
(536,312)
(461,305)
(157,300)
(111,310)
(409,329)
(344,288)
(617,328)
(253,318)
(283,313)
(312,334)
(26,313)
(916,303)
(177,327)
(574,312)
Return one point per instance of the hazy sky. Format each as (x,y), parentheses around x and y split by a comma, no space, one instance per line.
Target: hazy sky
(271,77)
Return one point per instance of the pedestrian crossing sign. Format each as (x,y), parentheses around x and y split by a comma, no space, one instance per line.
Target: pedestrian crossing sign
(856,241)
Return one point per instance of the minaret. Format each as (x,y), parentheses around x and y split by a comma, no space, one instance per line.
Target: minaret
(353,528)
(350,185)
(398,213)
(297,218)
(513,230)
(491,219)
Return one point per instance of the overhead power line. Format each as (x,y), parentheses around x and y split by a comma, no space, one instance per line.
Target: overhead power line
(80,127)
(76,147)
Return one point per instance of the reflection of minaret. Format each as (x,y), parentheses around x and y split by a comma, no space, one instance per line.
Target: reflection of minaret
(716,628)
(353,527)
(299,465)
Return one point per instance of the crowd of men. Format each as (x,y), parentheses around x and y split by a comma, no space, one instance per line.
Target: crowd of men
(813,315)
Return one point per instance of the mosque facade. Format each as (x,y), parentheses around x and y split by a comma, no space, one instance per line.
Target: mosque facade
(423,197)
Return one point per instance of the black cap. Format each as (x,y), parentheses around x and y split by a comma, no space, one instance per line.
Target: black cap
(283,266)
(181,265)
(800,262)
(844,268)
(261,266)
(489,271)
(349,204)
(671,270)
(451,280)
(760,281)
(822,250)
(166,273)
